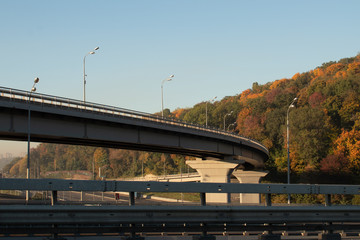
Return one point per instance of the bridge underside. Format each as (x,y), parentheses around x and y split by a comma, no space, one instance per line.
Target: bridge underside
(71,129)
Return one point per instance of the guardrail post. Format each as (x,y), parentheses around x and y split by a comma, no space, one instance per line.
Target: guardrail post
(131,198)
(268,199)
(202,199)
(329,233)
(53,198)
(133,235)
(82,196)
(327,200)
(204,235)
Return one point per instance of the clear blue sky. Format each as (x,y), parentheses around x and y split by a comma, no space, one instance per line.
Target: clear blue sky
(213,47)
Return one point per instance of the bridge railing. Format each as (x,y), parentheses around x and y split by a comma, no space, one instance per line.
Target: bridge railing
(55,185)
(14,94)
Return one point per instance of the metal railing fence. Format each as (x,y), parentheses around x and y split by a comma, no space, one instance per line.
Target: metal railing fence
(131,187)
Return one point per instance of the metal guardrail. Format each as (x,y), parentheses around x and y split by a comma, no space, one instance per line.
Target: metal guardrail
(182,187)
(107,219)
(194,187)
(15,94)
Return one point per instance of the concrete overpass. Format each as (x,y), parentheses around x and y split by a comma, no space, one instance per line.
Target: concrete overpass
(67,121)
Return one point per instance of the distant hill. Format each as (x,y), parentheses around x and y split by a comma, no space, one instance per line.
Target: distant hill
(4,162)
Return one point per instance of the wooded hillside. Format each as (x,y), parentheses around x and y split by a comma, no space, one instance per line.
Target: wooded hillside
(324,130)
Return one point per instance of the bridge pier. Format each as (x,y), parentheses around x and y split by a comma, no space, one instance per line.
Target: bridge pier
(249,177)
(214,170)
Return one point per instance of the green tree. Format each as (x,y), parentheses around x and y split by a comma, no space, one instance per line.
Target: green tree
(308,137)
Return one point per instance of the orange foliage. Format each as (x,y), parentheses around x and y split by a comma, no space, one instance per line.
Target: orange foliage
(244,95)
(243,114)
(341,74)
(296,163)
(296,76)
(354,68)
(318,72)
(255,95)
(348,144)
(278,83)
(177,113)
(332,69)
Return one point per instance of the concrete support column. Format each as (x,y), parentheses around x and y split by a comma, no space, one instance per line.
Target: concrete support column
(249,177)
(218,171)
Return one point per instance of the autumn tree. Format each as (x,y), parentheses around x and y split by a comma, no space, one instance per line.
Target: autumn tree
(348,145)
(101,160)
(335,164)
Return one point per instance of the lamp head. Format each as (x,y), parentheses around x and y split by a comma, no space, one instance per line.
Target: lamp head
(228,114)
(91,52)
(36,80)
(171,76)
(97,48)
(293,103)
(33,89)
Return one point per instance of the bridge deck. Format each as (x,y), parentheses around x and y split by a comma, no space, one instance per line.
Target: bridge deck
(60,120)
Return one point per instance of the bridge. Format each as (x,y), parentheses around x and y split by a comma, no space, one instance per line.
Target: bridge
(218,154)
(61,120)
(75,219)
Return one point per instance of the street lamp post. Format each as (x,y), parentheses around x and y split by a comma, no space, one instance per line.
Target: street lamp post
(287,143)
(211,101)
(92,52)
(33,89)
(232,124)
(162,94)
(225,118)
(101,175)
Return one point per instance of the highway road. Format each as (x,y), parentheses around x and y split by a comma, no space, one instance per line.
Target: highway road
(90,198)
